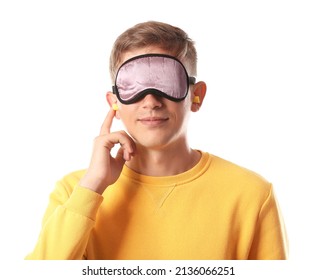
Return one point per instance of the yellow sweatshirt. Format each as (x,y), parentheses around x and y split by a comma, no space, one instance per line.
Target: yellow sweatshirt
(216,210)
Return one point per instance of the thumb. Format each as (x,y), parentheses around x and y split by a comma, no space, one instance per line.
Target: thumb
(120,153)
(123,154)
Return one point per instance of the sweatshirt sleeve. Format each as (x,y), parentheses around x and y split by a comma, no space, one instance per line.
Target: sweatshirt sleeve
(67,223)
(270,240)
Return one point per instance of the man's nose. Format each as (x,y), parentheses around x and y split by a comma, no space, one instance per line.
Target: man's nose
(152,101)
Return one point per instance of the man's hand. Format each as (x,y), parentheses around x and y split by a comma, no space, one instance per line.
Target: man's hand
(104,169)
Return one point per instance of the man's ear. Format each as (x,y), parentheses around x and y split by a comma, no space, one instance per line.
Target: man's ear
(112,101)
(198,95)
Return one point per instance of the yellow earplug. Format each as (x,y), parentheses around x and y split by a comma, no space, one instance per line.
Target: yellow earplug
(115,107)
(196,99)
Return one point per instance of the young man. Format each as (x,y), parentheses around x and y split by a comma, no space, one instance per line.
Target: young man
(158,198)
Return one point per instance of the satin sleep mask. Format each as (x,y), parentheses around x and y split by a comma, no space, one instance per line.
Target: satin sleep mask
(158,74)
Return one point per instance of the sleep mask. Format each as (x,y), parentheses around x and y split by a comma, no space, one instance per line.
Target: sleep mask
(158,74)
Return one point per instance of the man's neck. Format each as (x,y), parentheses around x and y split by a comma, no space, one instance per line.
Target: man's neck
(164,162)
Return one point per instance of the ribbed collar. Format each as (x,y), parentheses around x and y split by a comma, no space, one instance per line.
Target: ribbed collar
(175,180)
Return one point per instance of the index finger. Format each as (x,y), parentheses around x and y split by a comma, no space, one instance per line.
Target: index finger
(105,128)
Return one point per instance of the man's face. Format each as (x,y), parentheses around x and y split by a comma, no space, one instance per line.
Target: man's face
(155,122)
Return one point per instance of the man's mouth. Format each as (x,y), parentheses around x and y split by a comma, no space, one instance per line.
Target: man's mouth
(153,121)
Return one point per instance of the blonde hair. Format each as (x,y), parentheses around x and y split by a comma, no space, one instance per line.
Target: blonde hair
(152,33)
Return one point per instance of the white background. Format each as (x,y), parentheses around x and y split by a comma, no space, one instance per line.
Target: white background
(258,59)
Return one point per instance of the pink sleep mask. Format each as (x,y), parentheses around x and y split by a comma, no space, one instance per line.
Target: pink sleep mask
(157,74)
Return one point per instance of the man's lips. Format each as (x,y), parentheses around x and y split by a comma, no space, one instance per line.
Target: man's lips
(153,120)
